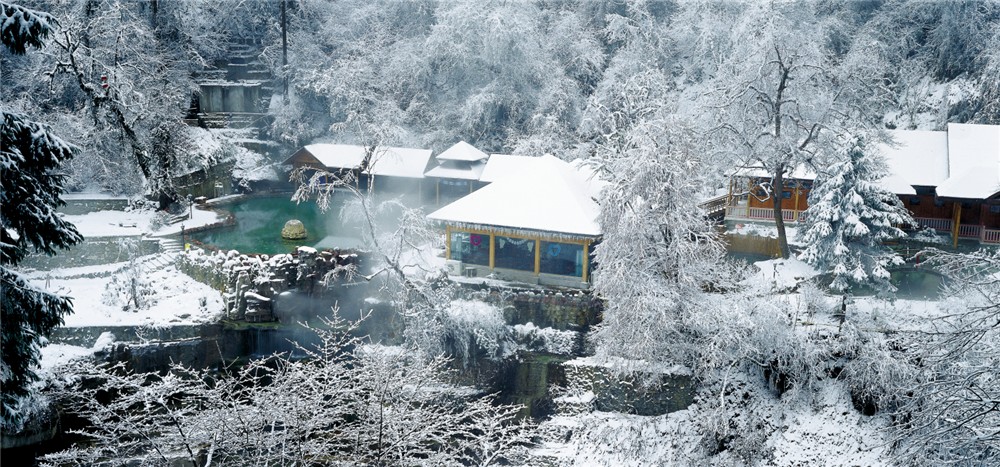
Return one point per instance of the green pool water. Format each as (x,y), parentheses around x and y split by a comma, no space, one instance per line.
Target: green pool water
(259,222)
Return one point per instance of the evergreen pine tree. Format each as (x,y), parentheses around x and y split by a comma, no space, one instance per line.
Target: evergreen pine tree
(30,187)
(849,217)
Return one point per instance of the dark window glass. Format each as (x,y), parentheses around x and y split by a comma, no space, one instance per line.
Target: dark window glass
(514,253)
(914,200)
(786,194)
(562,258)
(470,248)
(995,209)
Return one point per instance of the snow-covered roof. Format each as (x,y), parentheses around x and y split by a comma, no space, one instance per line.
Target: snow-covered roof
(462,151)
(399,162)
(387,161)
(337,156)
(552,197)
(963,162)
(501,166)
(464,172)
(973,162)
(918,157)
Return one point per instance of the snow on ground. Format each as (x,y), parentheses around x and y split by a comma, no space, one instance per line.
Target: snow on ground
(175,298)
(765,230)
(831,432)
(630,365)
(781,273)
(200,218)
(605,439)
(112,223)
(55,355)
(134,223)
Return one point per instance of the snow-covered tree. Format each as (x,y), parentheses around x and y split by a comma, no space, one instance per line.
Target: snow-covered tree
(949,413)
(658,249)
(129,288)
(786,97)
(30,189)
(347,403)
(850,215)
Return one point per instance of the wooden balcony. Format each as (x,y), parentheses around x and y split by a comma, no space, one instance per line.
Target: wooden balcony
(762,214)
(755,214)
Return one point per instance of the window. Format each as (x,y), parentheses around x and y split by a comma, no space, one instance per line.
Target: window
(914,200)
(938,202)
(562,258)
(786,194)
(514,253)
(995,209)
(470,248)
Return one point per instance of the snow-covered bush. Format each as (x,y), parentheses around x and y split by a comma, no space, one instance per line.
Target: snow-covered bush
(548,340)
(471,327)
(129,287)
(347,403)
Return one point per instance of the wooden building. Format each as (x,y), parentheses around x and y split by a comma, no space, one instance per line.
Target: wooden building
(538,226)
(949,181)
(458,171)
(384,168)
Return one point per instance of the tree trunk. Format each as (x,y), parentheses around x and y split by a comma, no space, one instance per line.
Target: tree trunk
(777,187)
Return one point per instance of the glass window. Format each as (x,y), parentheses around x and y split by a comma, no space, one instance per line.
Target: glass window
(914,200)
(514,253)
(786,194)
(995,209)
(470,248)
(562,258)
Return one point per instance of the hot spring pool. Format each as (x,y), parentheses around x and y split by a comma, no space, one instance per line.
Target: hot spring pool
(259,222)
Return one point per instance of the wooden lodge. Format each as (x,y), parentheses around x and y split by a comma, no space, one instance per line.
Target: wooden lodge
(535,222)
(458,172)
(949,180)
(386,168)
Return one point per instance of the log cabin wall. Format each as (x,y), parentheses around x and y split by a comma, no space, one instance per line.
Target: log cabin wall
(788,200)
(990,214)
(926,204)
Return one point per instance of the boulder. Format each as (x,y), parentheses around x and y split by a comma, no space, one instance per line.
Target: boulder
(294,230)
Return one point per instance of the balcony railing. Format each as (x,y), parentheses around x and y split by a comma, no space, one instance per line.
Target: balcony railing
(990,236)
(762,214)
(790,215)
(941,225)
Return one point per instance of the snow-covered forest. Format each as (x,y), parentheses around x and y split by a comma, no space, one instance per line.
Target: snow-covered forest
(805,359)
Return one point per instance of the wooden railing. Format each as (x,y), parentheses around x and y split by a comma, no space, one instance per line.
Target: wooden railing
(990,236)
(789,215)
(762,214)
(941,225)
(970,231)
(715,207)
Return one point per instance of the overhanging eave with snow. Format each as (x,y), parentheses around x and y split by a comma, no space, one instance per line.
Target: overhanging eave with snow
(536,227)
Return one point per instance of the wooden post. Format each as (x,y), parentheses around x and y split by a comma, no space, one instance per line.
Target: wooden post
(538,256)
(796,214)
(956,223)
(492,249)
(586,260)
(447,242)
(729,196)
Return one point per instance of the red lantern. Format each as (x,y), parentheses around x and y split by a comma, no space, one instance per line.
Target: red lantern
(104,81)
